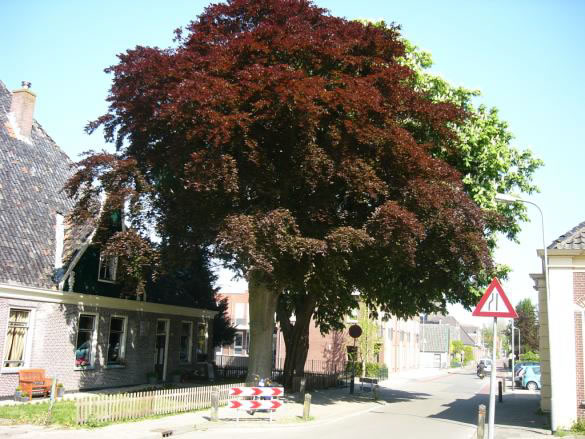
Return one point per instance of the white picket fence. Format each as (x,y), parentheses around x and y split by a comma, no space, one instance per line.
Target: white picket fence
(117,407)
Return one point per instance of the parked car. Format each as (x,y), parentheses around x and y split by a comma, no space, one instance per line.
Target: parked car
(531,377)
(519,370)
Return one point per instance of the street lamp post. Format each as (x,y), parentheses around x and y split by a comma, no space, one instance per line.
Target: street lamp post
(513,358)
(506,198)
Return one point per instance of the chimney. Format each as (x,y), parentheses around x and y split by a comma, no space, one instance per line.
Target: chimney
(23,107)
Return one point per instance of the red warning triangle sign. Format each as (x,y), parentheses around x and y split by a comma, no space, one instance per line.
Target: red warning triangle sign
(494,302)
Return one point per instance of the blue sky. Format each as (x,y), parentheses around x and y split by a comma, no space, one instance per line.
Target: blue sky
(526,56)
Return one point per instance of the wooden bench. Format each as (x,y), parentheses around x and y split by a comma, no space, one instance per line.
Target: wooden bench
(33,381)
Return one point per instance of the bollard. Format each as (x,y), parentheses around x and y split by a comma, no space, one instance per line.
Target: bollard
(307,407)
(481,422)
(500,399)
(375,392)
(214,406)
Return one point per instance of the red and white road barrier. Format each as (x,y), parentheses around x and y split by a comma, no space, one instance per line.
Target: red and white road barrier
(256,404)
(256,391)
(270,405)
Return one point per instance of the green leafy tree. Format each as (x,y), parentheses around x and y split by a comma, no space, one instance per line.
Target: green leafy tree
(456,348)
(467,354)
(530,356)
(370,341)
(527,323)
(299,148)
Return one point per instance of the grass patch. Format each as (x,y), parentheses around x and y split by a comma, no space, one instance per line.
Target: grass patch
(577,428)
(63,413)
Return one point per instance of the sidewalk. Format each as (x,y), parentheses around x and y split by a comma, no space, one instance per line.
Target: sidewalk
(518,416)
(326,406)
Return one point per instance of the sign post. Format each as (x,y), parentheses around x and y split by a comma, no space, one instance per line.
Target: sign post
(494,303)
(354,331)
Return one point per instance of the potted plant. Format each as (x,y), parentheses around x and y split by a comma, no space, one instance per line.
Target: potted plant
(17,393)
(60,390)
(151,378)
(24,397)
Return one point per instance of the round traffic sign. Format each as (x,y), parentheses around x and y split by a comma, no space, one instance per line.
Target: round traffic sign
(355,331)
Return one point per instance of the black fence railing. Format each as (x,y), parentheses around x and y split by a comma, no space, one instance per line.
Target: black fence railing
(317,375)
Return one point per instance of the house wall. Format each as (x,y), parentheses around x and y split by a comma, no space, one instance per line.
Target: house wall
(579,299)
(242,324)
(327,352)
(429,360)
(563,316)
(52,338)
(401,344)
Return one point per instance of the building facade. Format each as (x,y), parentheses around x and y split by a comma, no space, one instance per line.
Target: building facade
(399,340)
(61,302)
(564,315)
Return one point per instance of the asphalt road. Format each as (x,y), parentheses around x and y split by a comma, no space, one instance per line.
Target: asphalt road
(441,407)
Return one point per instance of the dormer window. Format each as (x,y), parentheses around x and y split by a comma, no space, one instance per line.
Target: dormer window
(107,268)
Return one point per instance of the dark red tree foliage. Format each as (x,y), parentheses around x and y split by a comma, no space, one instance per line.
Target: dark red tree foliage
(283,136)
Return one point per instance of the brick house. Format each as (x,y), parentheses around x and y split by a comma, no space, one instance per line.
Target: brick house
(565,316)
(327,352)
(238,311)
(61,308)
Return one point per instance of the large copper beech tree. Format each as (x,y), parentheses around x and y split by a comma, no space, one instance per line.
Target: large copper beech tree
(293,144)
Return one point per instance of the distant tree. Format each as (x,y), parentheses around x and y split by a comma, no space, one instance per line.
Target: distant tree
(530,356)
(223,330)
(370,341)
(527,323)
(467,354)
(457,348)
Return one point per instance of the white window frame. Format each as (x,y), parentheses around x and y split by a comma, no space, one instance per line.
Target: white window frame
(122,342)
(240,313)
(167,335)
(189,342)
(93,340)
(206,324)
(114,268)
(59,239)
(241,354)
(27,344)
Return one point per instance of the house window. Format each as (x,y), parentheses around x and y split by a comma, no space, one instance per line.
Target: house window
(240,314)
(202,342)
(85,340)
(239,343)
(107,268)
(16,336)
(186,342)
(117,341)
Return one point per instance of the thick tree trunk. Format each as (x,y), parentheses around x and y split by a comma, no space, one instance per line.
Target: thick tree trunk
(262,301)
(296,339)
